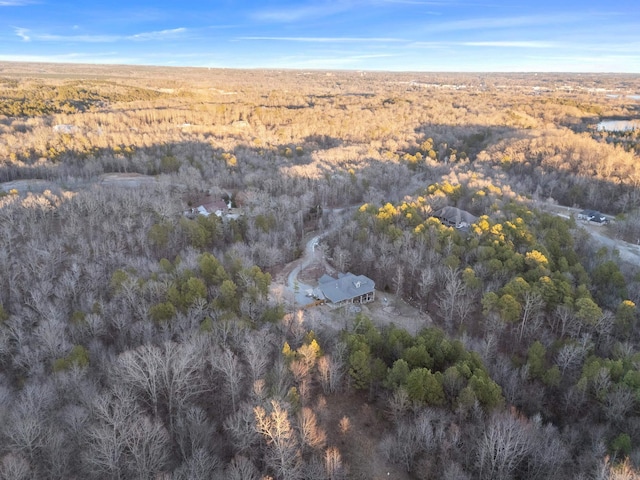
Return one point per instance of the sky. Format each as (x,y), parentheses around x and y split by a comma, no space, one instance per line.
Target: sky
(388,35)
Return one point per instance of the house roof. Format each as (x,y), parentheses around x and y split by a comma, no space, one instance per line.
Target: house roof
(203,211)
(593,215)
(345,287)
(215,205)
(456,216)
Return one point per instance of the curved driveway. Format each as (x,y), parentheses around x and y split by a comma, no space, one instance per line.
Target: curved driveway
(310,254)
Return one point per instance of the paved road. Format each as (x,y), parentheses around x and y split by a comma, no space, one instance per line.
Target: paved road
(629,252)
(310,254)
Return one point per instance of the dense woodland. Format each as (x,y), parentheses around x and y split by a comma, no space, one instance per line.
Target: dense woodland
(137,342)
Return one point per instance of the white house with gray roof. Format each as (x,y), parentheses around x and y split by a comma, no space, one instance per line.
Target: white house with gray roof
(347,288)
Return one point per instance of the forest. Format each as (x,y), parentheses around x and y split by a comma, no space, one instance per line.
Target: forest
(142,340)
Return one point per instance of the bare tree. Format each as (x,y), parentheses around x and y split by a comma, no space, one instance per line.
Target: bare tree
(398,404)
(27,423)
(450,296)
(398,280)
(283,452)
(257,350)
(193,431)
(403,446)
(324,364)
(169,376)
(503,446)
(564,319)
(241,468)
(227,363)
(15,467)
(619,402)
(570,356)
(240,426)
(333,465)
(532,304)
(201,465)
(106,448)
(147,443)
(311,435)
(341,259)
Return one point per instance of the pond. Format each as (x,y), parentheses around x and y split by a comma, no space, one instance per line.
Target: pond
(618,125)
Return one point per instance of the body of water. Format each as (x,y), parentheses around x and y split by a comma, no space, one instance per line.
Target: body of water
(618,125)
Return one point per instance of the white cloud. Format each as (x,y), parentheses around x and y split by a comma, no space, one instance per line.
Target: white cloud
(23,33)
(324,39)
(111,58)
(301,13)
(27,36)
(158,35)
(510,44)
(489,23)
(15,3)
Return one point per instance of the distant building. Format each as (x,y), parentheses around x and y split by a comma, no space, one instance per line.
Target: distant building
(592,216)
(216,207)
(454,217)
(347,288)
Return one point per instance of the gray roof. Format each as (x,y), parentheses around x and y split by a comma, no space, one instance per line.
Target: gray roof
(456,216)
(345,287)
(326,278)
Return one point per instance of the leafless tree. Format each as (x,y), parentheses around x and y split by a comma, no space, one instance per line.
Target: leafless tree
(450,296)
(503,446)
(324,372)
(312,436)
(257,351)
(570,356)
(147,444)
(532,304)
(341,259)
(27,425)
(193,430)
(564,318)
(228,364)
(403,446)
(398,404)
(201,465)
(169,376)
(240,426)
(15,467)
(106,448)
(241,468)
(398,280)
(282,453)
(333,464)
(619,402)
(280,378)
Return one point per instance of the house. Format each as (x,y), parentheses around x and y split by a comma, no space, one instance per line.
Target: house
(592,216)
(454,217)
(216,207)
(347,288)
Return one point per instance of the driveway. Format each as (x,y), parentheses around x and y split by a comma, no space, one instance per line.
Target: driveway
(294,286)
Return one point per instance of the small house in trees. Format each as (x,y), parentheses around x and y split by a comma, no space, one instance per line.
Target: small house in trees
(592,216)
(347,288)
(216,207)
(454,217)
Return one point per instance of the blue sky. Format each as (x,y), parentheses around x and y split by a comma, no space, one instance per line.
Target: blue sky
(398,35)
